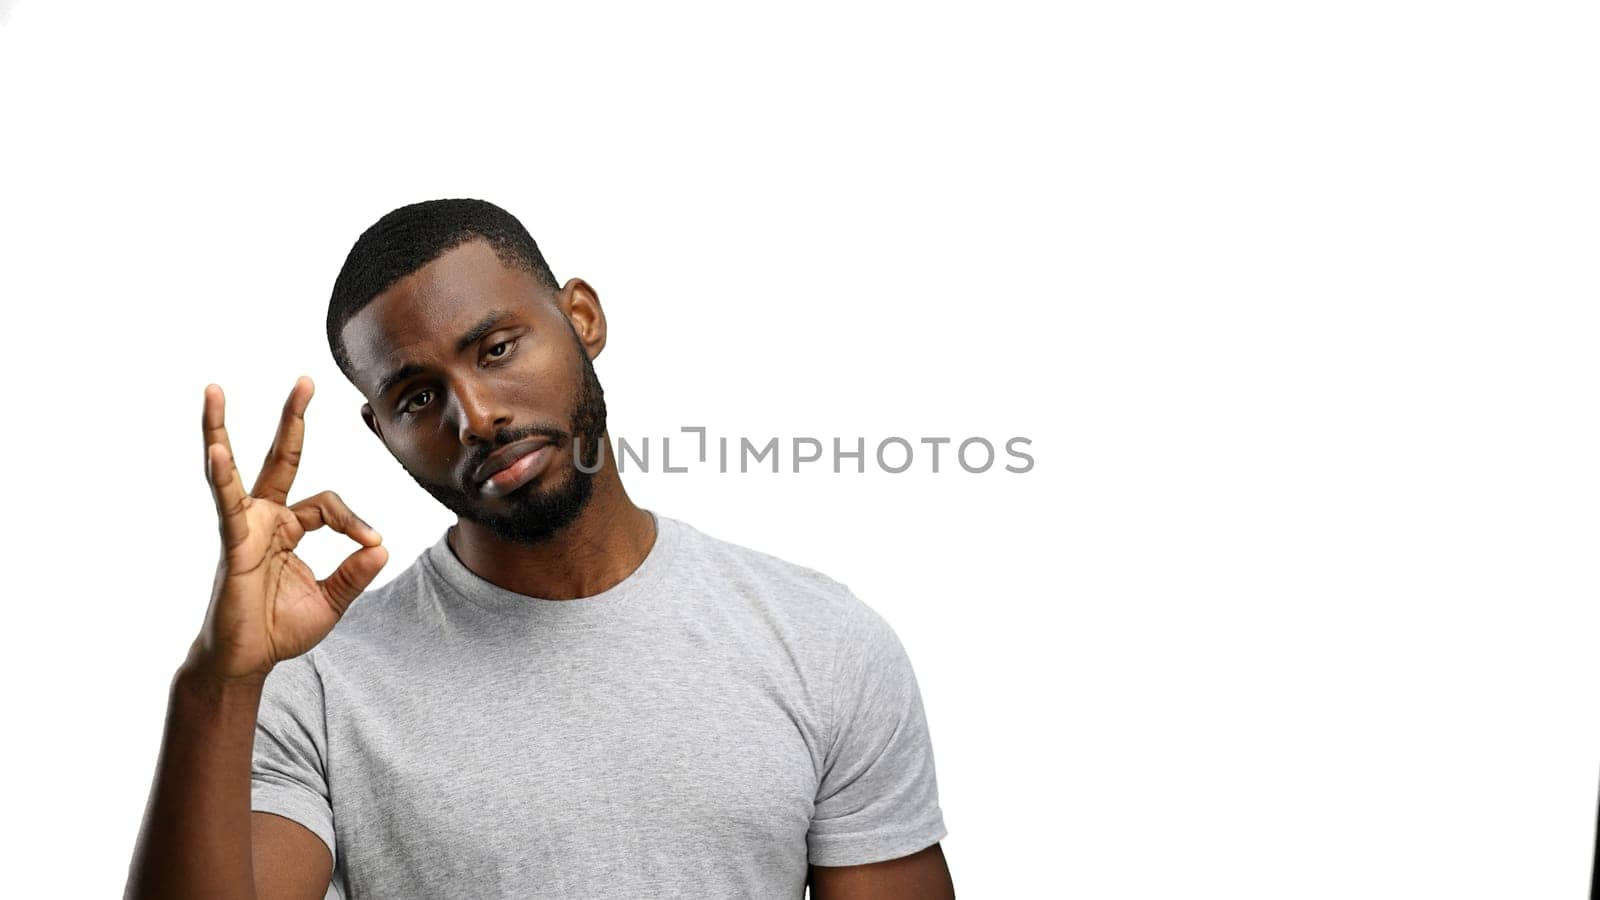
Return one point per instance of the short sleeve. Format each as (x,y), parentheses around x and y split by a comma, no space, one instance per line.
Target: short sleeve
(288,770)
(878,796)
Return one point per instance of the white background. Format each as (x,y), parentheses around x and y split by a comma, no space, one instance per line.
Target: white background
(1297,303)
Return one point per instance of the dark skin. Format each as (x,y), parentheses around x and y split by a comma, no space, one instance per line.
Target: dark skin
(523,374)
(463,399)
(923,874)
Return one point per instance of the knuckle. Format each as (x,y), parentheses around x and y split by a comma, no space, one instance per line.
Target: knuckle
(335,585)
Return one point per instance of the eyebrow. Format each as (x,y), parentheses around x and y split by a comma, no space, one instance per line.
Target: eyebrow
(472,336)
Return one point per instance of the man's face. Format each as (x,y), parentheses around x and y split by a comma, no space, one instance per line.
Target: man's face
(524,374)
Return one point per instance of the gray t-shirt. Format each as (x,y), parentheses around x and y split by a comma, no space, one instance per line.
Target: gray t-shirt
(706,728)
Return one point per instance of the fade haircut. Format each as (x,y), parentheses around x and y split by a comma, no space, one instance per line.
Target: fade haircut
(412,236)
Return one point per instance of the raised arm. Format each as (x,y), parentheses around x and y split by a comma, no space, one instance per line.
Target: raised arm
(266,606)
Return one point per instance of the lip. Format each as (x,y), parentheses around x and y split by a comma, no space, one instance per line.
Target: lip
(524,469)
(505,456)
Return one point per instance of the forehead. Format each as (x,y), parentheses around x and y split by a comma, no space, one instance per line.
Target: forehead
(419,319)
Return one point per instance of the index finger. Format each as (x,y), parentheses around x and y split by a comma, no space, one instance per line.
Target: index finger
(283,458)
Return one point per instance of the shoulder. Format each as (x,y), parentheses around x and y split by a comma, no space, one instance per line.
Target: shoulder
(766,578)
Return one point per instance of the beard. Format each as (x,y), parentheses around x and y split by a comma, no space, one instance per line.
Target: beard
(539,510)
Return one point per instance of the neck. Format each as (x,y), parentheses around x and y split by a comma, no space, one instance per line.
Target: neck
(601,547)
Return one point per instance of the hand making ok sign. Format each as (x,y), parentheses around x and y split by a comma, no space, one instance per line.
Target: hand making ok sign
(266,604)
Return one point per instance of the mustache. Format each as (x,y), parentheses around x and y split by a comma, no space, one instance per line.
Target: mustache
(556,436)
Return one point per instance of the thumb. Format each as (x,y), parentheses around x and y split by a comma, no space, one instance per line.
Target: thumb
(353,575)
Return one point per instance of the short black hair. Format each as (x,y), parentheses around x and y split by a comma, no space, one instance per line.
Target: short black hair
(409,238)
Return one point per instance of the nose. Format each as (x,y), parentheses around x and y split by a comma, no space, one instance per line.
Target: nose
(480,414)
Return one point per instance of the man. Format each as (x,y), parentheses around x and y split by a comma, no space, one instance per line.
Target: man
(566,695)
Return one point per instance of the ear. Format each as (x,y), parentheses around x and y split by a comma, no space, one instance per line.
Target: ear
(371,419)
(581,305)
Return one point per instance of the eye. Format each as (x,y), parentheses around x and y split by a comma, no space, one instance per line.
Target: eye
(407,407)
(506,344)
